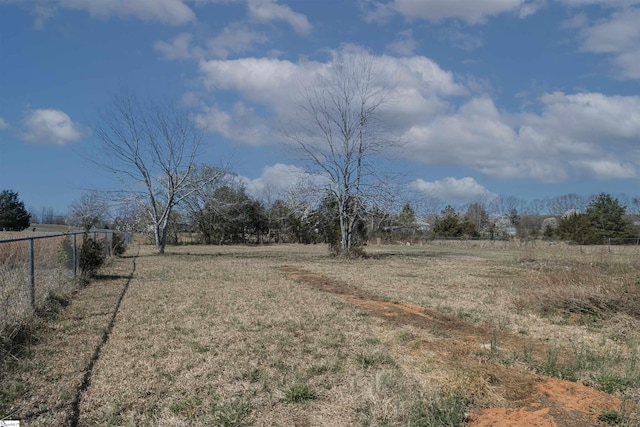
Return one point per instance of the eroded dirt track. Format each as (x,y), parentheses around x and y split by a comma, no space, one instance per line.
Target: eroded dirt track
(526,398)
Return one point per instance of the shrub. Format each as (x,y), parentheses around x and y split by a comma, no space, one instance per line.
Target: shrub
(118,244)
(65,252)
(91,256)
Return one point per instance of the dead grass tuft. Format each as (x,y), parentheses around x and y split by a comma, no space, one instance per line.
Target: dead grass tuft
(581,293)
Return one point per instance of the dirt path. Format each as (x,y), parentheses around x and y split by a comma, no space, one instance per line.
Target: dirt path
(528,399)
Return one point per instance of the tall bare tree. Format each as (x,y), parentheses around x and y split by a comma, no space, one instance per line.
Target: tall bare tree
(151,147)
(339,134)
(88,211)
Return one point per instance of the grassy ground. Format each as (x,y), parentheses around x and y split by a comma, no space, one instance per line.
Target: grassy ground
(287,335)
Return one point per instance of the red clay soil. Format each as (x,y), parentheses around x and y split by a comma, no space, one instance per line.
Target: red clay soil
(528,399)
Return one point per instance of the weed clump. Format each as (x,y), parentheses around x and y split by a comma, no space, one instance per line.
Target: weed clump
(447,409)
(299,393)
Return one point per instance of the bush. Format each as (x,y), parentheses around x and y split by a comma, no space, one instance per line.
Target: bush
(65,252)
(118,244)
(91,256)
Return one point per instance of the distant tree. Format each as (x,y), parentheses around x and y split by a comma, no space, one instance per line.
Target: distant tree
(377,219)
(13,215)
(448,224)
(34,215)
(548,227)
(152,148)
(325,221)
(88,211)
(537,206)
(130,217)
(504,205)
(530,225)
(468,228)
(634,206)
(282,222)
(407,217)
(577,228)
(606,216)
(477,214)
(514,217)
(47,216)
(560,205)
(200,204)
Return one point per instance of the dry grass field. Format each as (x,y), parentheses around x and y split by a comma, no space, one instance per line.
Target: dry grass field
(437,335)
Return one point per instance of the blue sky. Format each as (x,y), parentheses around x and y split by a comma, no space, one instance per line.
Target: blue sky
(526,98)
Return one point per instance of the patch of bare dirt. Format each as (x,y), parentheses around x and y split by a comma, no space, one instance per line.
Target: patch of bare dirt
(527,399)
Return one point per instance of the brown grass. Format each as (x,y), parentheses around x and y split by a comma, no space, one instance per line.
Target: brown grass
(225,336)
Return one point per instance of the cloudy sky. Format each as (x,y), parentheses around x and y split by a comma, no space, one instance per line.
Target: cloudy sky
(527,98)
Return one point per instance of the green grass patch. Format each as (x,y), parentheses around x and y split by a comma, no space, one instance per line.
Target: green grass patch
(370,360)
(299,392)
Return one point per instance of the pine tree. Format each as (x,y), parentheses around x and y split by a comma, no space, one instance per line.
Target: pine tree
(607,217)
(13,215)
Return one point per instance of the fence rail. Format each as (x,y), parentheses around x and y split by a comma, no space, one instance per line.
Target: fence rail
(33,268)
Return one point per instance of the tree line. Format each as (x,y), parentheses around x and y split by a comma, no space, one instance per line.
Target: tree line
(222,212)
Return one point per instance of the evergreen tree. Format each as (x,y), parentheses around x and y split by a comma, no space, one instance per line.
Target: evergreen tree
(407,216)
(576,228)
(13,215)
(607,217)
(448,225)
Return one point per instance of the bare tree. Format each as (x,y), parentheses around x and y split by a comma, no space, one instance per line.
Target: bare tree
(338,134)
(504,205)
(151,147)
(88,211)
(560,205)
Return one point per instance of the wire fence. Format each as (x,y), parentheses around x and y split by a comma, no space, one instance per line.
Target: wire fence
(35,268)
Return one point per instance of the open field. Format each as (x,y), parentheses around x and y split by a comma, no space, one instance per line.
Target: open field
(480,335)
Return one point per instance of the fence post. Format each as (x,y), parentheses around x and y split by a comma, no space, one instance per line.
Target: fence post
(32,271)
(75,256)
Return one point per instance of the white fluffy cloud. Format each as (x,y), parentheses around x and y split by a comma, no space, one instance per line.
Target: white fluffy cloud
(270,10)
(461,190)
(590,118)
(606,3)
(605,169)
(571,136)
(420,85)
(171,12)
(282,181)
(236,38)
(405,45)
(48,126)
(473,12)
(178,48)
(618,36)
(241,124)
(278,180)
(441,122)
(3,124)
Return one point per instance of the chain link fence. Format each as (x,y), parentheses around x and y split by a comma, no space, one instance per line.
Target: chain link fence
(36,268)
